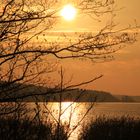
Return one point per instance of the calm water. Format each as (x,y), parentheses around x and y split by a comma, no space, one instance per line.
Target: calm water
(117,109)
(108,109)
(73,113)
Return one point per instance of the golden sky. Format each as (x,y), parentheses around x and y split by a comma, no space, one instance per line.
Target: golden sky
(121,76)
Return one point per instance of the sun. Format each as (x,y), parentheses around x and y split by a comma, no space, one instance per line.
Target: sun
(68,12)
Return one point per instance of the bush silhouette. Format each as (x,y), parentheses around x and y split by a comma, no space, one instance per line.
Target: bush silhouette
(103,128)
(11,129)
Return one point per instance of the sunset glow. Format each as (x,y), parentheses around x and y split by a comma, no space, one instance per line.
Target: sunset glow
(68,12)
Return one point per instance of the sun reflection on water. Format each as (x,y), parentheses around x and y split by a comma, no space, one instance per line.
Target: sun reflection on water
(69,113)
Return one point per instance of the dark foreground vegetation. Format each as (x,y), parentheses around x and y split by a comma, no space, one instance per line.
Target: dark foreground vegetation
(11,129)
(103,128)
